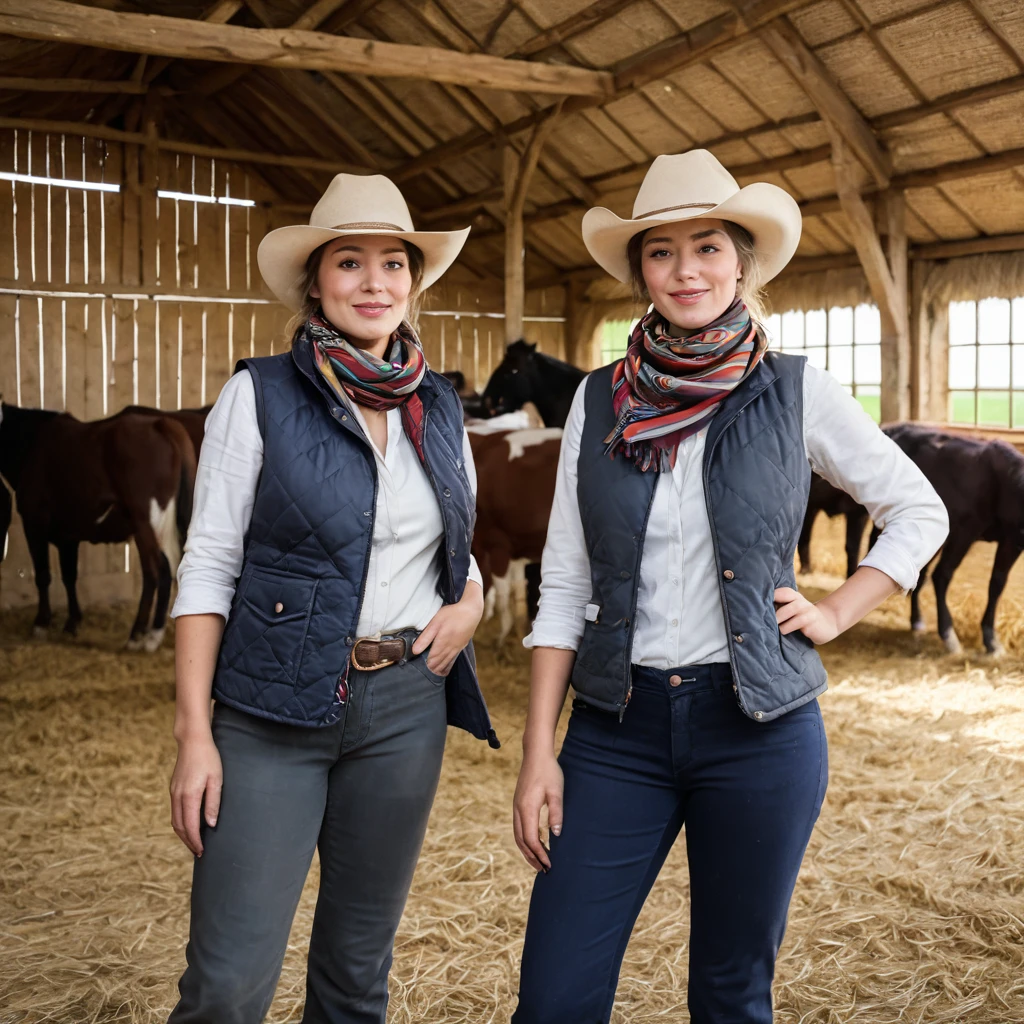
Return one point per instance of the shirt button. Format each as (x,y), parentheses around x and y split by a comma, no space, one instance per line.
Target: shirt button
(729,574)
(675,680)
(278,607)
(385,583)
(675,580)
(675,622)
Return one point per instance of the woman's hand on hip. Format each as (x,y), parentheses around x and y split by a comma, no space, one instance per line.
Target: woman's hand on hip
(450,630)
(540,785)
(794,612)
(195,788)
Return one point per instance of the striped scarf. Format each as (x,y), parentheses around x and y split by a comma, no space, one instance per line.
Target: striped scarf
(382,385)
(666,388)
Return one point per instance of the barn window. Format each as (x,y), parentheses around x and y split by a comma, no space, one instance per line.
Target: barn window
(614,339)
(986,362)
(845,340)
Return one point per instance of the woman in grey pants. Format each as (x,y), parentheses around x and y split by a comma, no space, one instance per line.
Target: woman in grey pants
(327,597)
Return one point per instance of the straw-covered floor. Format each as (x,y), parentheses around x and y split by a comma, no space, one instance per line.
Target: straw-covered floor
(909,907)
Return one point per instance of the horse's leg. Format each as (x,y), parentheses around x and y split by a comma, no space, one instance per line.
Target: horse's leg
(155,636)
(854,535)
(1006,555)
(803,546)
(916,619)
(149,562)
(39,549)
(68,552)
(952,555)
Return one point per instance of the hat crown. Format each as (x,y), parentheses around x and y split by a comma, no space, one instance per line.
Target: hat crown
(362,200)
(683,181)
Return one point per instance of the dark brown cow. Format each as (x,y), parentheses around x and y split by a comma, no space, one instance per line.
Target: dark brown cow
(102,482)
(515,488)
(833,502)
(193,420)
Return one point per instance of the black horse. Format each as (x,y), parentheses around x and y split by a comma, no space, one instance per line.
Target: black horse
(526,375)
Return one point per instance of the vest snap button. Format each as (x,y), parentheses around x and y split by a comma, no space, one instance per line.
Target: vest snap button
(447,493)
(344,419)
(729,574)
(452,552)
(758,715)
(624,574)
(738,637)
(278,607)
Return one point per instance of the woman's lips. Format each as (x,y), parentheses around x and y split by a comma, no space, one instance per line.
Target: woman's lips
(371,310)
(689,298)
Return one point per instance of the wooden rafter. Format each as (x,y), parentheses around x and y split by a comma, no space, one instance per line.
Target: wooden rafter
(73,85)
(568,28)
(60,21)
(831,102)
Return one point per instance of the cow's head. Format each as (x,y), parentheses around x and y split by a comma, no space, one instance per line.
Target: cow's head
(514,381)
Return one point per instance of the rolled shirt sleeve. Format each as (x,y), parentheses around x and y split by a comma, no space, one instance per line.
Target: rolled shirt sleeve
(846,447)
(226,478)
(565,585)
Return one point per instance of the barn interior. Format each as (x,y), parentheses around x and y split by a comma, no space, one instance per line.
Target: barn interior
(144,152)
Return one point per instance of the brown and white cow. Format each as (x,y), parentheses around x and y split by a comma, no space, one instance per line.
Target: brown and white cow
(515,489)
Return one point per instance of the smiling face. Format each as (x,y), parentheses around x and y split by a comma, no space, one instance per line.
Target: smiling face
(364,283)
(691,269)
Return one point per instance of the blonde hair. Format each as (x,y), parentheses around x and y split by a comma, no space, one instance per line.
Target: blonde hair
(748,287)
(312,269)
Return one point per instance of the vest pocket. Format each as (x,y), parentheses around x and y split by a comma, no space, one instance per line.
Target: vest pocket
(275,608)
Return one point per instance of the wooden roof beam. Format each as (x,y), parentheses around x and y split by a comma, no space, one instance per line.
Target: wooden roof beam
(89,85)
(688,48)
(831,102)
(60,21)
(568,28)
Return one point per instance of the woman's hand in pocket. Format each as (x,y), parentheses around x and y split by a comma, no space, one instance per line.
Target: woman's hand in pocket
(540,785)
(195,788)
(450,630)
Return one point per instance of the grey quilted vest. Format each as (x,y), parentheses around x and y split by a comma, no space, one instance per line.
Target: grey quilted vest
(756,481)
(308,546)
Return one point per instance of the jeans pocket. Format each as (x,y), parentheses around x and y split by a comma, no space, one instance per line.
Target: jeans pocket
(420,662)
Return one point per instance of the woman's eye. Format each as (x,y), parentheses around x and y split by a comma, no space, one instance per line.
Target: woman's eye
(655,254)
(394,264)
(709,248)
(348,264)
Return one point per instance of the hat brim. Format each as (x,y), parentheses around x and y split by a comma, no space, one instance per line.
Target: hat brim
(768,212)
(283,252)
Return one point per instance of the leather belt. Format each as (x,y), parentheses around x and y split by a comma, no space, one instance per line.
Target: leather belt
(372,653)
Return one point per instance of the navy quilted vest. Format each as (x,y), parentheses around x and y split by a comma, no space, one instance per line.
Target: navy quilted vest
(309,542)
(756,480)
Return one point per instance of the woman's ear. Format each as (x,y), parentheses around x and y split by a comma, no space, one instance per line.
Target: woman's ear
(314,291)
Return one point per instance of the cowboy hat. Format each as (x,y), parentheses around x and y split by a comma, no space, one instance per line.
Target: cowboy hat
(687,186)
(354,204)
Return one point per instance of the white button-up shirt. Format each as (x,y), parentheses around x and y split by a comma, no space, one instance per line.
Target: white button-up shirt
(679,616)
(403,573)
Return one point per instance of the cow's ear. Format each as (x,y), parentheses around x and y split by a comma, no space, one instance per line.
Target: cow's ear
(532,347)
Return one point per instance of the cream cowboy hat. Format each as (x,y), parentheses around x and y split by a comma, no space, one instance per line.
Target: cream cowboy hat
(354,204)
(687,186)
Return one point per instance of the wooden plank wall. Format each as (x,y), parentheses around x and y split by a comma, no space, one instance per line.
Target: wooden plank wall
(102,303)
(93,354)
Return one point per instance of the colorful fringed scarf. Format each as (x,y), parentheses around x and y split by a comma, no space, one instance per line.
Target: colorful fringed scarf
(667,388)
(377,384)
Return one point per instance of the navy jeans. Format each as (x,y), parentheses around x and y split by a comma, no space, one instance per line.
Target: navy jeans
(748,793)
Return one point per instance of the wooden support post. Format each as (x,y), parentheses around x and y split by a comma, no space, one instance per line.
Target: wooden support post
(929,339)
(130,195)
(150,163)
(888,283)
(575,290)
(516,174)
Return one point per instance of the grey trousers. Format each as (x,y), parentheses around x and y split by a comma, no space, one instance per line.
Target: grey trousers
(360,791)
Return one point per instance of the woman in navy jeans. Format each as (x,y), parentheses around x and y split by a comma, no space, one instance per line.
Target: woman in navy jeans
(669,603)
